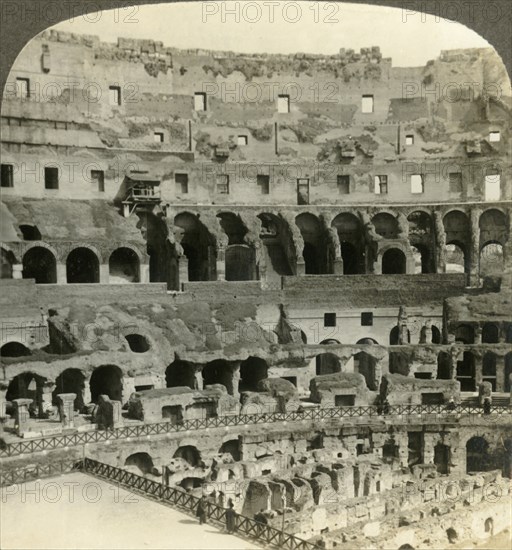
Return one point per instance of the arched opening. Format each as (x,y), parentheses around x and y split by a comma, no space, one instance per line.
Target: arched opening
(477,455)
(82,266)
(124,266)
(231,447)
(442,458)
(456,259)
(394,336)
(14,349)
(420,237)
(390,451)
(180,374)
(277,246)
(189,454)
(107,380)
(493,227)
(40,264)
(465,334)
(351,239)
(393,262)
(366,365)
(198,246)
(489,369)
(30,232)
(444,362)
(252,370)
(190,483)
(421,256)
(240,263)
(315,251)
(508,371)
(385,225)
(137,343)
(490,333)
(327,363)
(27,385)
(489,526)
(142,462)
(492,260)
(452,535)
(8,260)
(70,381)
(436,335)
(218,372)
(233,227)
(466,372)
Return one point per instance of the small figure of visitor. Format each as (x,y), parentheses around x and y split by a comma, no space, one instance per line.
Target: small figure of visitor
(451,404)
(213,496)
(231,516)
(262,520)
(201,511)
(487,405)
(385,406)
(220,499)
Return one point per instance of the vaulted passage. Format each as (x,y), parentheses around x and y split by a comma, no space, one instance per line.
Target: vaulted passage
(107,380)
(327,363)
(70,381)
(7,261)
(142,462)
(420,237)
(466,372)
(477,455)
(124,266)
(252,370)
(40,264)
(82,266)
(386,225)
(277,246)
(458,235)
(180,373)
(366,364)
(240,257)
(189,454)
(393,262)
(14,349)
(26,385)
(491,260)
(218,372)
(351,239)
(315,251)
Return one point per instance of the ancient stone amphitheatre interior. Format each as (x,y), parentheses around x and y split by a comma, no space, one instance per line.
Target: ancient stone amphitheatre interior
(284,279)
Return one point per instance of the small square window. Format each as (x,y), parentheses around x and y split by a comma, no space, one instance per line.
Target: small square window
(494,136)
(6,175)
(263,182)
(455,182)
(409,139)
(381,185)
(367,104)
(242,141)
(344,184)
(416,183)
(51,177)
(366,319)
(98,177)
(22,88)
(329,319)
(181,181)
(114,95)
(223,184)
(200,101)
(158,137)
(283,103)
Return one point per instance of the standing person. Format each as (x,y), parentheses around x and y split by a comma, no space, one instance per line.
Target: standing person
(220,499)
(231,516)
(262,520)
(201,510)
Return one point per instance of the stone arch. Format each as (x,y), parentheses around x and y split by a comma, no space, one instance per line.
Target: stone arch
(444,366)
(351,237)
(180,373)
(198,246)
(394,262)
(71,381)
(477,454)
(14,349)
(493,227)
(190,454)
(124,266)
(492,261)
(142,461)
(458,237)
(240,262)
(465,334)
(327,363)
(394,336)
(40,263)
(27,385)
(465,372)
(232,447)
(457,258)
(420,237)
(83,265)
(489,369)
(490,333)
(366,364)
(106,380)
(233,227)
(252,371)
(218,372)
(138,343)
(8,260)
(386,225)
(277,242)
(442,458)
(315,250)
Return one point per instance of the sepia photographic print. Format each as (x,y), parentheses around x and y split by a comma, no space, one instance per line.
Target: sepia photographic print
(256,277)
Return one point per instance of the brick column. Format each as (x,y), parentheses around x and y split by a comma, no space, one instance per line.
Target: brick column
(62,278)
(474,252)
(67,409)
(104,274)
(440,240)
(182,270)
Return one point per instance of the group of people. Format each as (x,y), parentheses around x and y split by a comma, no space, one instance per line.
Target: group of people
(202,512)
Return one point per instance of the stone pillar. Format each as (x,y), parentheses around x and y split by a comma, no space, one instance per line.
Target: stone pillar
(440,243)
(478,334)
(477,358)
(301,267)
(17,271)
(144,273)
(235,379)
(45,405)
(67,409)
(3,402)
(128,387)
(104,274)
(429,441)
(62,277)
(221,263)
(117,417)
(86,392)
(502,333)
(21,415)
(198,376)
(474,253)
(182,270)
(500,373)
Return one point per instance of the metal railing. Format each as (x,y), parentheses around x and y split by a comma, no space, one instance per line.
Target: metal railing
(38,471)
(365,413)
(184,501)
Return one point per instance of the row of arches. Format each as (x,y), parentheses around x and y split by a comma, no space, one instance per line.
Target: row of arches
(490,333)
(82,265)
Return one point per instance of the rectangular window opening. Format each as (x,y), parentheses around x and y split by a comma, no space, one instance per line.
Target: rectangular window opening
(409,139)
(329,319)
(344,184)
(494,136)
(200,101)
(181,181)
(367,104)
(242,141)
(416,183)
(114,95)
(223,184)
(302,191)
(455,182)
(381,185)
(158,137)
(263,182)
(51,177)
(6,175)
(98,176)
(283,103)
(367,319)
(22,88)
